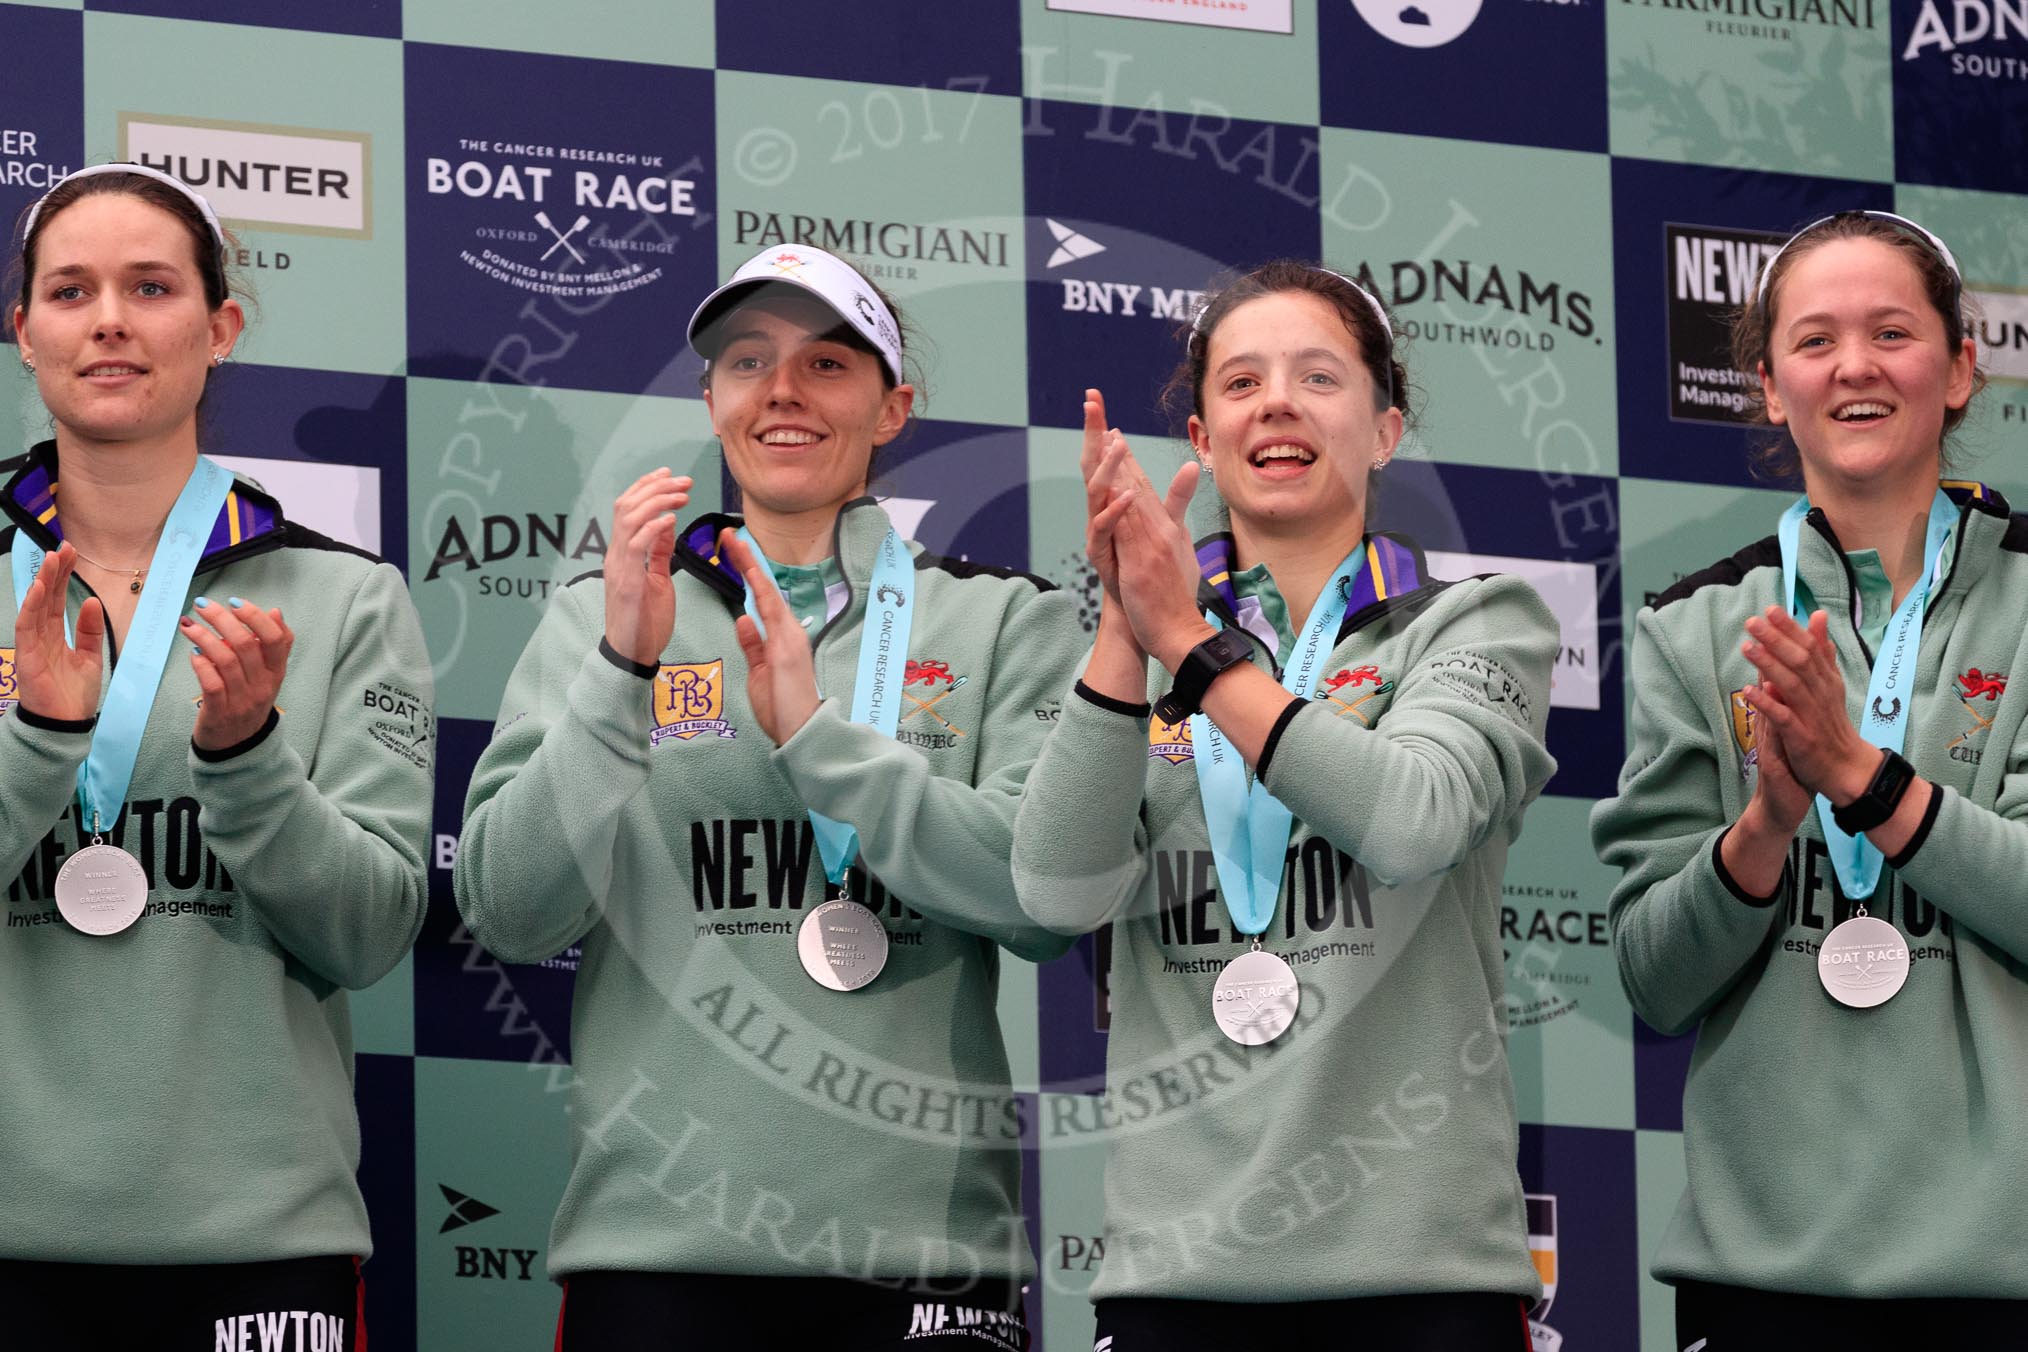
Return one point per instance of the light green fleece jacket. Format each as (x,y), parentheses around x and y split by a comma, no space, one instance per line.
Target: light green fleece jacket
(1371,1149)
(729,1114)
(1835,1151)
(181,1092)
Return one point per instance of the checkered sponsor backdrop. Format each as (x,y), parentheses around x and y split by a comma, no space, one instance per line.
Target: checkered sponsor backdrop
(476,227)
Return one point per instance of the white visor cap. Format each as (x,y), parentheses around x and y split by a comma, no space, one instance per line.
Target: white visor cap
(827,277)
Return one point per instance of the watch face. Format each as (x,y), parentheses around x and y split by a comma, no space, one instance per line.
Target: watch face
(1231,646)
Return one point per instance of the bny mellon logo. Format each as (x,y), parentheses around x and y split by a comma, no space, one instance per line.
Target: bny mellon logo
(464,1210)
(1070,246)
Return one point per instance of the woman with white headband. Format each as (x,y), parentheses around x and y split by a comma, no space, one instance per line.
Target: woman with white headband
(1820,829)
(1311,1125)
(765,768)
(198,876)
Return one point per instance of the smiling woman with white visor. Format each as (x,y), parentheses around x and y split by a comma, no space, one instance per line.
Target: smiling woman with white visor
(765,768)
(1820,825)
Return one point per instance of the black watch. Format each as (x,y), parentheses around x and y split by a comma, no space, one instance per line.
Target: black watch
(1882,796)
(1193,677)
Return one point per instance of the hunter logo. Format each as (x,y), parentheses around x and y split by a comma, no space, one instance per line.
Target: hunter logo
(263,177)
(1343,689)
(1743,732)
(1973,687)
(936,684)
(1170,741)
(9,693)
(690,699)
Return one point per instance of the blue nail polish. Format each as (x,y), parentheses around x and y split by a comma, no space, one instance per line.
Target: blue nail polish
(196,651)
(200,603)
(234,602)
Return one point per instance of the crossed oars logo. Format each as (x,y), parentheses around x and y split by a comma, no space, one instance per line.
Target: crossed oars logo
(1352,680)
(929,673)
(1976,684)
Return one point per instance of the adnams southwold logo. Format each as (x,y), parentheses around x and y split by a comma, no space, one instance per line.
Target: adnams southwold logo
(562,220)
(884,250)
(1993,27)
(1479,302)
(262,177)
(531,549)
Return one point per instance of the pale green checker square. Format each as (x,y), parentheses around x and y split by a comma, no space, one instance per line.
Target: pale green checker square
(1570,1038)
(1182,69)
(50,4)
(1056,498)
(919,188)
(1659,1179)
(383,1015)
(1073,1216)
(1497,261)
(498,475)
(495,1132)
(1809,97)
(1671,530)
(666,32)
(339,302)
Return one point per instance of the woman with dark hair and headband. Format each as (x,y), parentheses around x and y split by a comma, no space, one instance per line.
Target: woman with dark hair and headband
(1820,828)
(765,767)
(1312,1125)
(199,877)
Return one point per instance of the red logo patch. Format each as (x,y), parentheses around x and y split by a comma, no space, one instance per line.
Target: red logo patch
(1358,676)
(925,673)
(1975,683)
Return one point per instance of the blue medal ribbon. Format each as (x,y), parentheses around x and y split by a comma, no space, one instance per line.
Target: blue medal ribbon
(1890,695)
(876,690)
(1248,826)
(116,740)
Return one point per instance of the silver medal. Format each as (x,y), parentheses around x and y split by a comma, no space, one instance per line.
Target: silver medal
(1863,962)
(101,889)
(1255,998)
(842,944)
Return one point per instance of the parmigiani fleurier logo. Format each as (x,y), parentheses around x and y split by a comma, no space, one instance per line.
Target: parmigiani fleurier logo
(267,177)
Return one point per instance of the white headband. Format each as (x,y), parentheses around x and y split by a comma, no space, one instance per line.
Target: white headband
(827,277)
(1372,302)
(210,216)
(1942,250)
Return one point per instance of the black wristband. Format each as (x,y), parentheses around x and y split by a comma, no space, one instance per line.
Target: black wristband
(226,753)
(645,670)
(1199,667)
(1107,702)
(1882,797)
(36,720)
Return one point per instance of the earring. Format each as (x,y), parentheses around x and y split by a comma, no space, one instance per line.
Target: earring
(28,365)
(218,359)
(1379,465)
(1204,463)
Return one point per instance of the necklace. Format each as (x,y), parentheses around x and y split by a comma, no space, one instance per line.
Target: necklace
(133,583)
